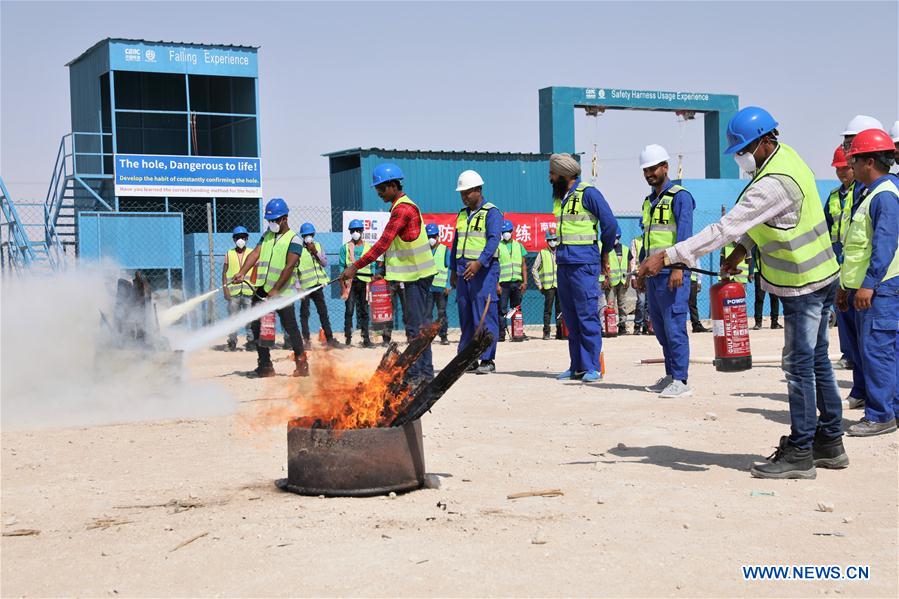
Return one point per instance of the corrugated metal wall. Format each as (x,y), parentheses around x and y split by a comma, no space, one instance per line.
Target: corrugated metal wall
(346,187)
(514,182)
(84,88)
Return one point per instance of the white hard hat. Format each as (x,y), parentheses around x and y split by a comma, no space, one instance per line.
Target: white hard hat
(469,180)
(861,122)
(652,155)
(894,132)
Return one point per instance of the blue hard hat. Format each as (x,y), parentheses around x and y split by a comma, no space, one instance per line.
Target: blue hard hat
(746,126)
(239,231)
(432,230)
(385,172)
(307,229)
(551,234)
(275,209)
(507,226)
(356,224)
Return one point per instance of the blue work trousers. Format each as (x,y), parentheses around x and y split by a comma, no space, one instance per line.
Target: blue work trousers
(668,311)
(641,311)
(471,297)
(847,340)
(877,348)
(579,295)
(416,317)
(850,329)
(807,368)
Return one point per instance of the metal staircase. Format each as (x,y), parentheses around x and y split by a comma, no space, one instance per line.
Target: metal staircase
(22,249)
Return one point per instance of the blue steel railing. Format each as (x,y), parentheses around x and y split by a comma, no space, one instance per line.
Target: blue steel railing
(20,253)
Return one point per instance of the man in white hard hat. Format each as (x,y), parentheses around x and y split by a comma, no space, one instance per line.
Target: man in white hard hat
(859,393)
(667,220)
(474,264)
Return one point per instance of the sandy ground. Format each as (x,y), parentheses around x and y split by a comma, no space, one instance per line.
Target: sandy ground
(657,498)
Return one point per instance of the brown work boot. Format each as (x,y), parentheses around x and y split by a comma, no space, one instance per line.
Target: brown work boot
(302,366)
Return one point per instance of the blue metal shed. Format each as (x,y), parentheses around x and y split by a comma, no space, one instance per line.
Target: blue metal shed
(515,182)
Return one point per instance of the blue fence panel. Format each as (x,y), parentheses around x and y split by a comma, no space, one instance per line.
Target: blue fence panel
(146,240)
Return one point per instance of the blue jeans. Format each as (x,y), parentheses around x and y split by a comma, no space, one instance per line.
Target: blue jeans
(416,318)
(806,364)
(640,313)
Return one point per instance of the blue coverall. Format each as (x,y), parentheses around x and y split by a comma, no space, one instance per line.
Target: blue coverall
(668,310)
(471,296)
(877,343)
(578,284)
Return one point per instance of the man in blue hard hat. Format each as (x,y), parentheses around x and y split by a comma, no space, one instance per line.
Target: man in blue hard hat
(275,258)
(355,291)
(583,217)
(440,288)
(781,213)
(667,219)
(513,277)
(239,296)
(312,273)
(474,265)
(407,260)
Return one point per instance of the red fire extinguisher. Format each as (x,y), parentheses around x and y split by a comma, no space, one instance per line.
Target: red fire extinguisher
(267,330)
(380,301)
(730,327)
(560,321)
(610,321)
(517,324)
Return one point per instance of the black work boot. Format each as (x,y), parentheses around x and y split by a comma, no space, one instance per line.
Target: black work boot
(758,325)
(263,371)
(302,366)
(828,452)
(786,462)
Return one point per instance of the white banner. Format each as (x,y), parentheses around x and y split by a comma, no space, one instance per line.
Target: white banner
(373,224)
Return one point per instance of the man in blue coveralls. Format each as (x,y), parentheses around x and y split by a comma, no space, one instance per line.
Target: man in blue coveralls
(869,279)
(667,219)
(580,210)
(474,265)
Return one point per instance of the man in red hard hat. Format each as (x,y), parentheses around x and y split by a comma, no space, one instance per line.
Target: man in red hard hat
(839,201)
(869,279)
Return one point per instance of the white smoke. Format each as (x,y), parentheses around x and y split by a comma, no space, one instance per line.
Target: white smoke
(58,369)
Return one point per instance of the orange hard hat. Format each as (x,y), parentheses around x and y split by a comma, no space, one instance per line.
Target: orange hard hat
(839,158)
(871,140)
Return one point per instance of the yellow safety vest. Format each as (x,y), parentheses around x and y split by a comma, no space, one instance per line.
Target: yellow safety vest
(409,261)
(349,253)
(799,255)
(857,247)
(659,224)
(547,271)
(471,233)
(312,273)
(442,275)
(743,277)
(273,260)
(235,262)
(839,212)
(510,256)
(576,225)
(618,266)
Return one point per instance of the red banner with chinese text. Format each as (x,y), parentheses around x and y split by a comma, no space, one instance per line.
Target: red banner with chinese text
(529,227)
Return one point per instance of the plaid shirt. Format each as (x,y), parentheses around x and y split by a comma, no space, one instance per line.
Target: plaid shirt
(405,221)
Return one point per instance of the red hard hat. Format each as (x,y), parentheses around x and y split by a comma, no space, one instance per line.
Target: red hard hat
(839,158)
(871,140)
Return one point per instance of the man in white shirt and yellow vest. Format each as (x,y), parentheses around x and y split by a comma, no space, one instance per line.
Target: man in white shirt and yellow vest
(275,259)
(408,260)
(440,288)
(869,279)
(311,273)
(356,291)
(239,296)
(546,278)
(781,213)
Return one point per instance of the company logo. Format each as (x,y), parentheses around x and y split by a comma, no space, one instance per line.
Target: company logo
(132,54)
(602,94)
(591,94)
(150,55)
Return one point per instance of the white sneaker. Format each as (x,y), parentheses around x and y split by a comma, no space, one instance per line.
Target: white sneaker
(677,389)
(660,385)
(855,403)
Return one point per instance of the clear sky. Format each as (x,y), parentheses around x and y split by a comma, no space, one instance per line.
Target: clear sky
(465,75)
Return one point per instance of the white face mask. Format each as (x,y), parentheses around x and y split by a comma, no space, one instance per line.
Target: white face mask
(746,162)
(273,226)
(432,241)
(356,235)
(507,236)
(241,243)
(552,243)
(308,239)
